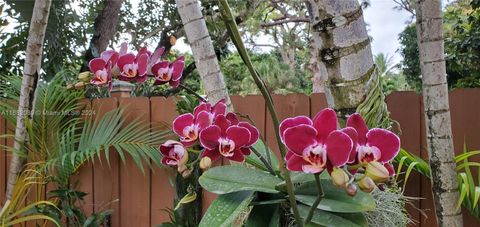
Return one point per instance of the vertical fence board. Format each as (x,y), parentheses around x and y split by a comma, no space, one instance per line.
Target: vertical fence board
(83,178)
(135,185)
(162,191)
(286,106)
(3,163)
(106,178)
(318,102)
(252,106)
(409,122)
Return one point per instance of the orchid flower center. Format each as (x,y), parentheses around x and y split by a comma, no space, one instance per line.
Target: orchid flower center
(175,155)
(368,154)
(226,147)
(190,133)
(317,157)
(101,76)
(130,70)
(164,74)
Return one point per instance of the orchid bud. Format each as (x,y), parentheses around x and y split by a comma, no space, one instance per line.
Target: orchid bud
(186,173)
(205,163)
(84,76)
(181,168)
(351,189)
(377,172)
(79,85)
(173,40)
(70,86)
(366,184)
(339,177)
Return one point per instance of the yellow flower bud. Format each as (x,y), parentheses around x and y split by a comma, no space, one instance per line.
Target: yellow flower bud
(181,168)
(79,85)
(366,184)
(84,76)
(339,177)
(377,172)
(186,173)
(205,163)
(70,86)
(351,189)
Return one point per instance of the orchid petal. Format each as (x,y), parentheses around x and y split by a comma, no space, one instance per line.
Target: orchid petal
(339,146)
(177,69)
(213,154)
(142,62)
(300,137)
(237,156)
(222,122)
(210,136)
(254,134)
(219,108)
(232,118)
(203,119)
(125,59)
(325,122)
(181,122)
(204,106)
(96,64)
(123,48)
(239,135)
(291,122)
(387,142)
(352,133)
(356,121)
(295,163)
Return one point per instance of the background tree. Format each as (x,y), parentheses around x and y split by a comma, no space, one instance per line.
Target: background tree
(437,113)
(31,71)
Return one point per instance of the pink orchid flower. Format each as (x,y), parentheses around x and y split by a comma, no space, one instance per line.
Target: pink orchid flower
(220,108)
(174,153)
(188,126)
(154,59)
(374,145)
(227,140)
(165,72)
(131,67)
(101,68)
(314,146)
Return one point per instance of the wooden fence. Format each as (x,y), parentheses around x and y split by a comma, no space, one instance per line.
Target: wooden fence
(142,197)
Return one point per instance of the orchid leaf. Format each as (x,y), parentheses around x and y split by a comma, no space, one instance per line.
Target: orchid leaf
(226,208)
(325,218)
(335,199)
(227,179)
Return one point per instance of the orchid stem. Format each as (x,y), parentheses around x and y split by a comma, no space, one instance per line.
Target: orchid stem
(317,201)
(192,92)
(237,41)
(265,162)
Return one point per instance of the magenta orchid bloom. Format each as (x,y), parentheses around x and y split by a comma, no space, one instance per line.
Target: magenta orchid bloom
(133,68)
(228,140)
(220,108)
(188,126)
(174,153)
(165,72)
(374,145)
(101,68)
(314,146)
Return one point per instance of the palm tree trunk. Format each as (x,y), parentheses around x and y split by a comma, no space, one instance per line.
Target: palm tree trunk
(203,51)
(341,40)
(105,27)
(31,69)
(437,112)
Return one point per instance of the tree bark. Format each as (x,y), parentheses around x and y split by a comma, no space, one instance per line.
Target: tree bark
(203,51)
(105,27)
(437,112)
(318,79)
(341,41)
(33,59)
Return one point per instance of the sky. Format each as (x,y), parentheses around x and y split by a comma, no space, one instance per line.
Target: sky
(384,25)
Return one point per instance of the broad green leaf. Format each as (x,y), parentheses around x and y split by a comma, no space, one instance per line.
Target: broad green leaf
(226,179)
(335,199)
(325,218)
(264,215)
(265,151)
(226,208)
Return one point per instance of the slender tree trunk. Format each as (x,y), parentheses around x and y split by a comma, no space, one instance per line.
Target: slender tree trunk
(105,27)
(318,78)
(33,59)
(341,41)
(437,112)
(203,51)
